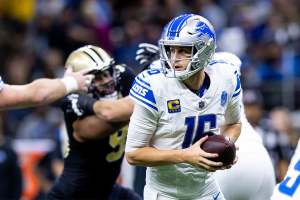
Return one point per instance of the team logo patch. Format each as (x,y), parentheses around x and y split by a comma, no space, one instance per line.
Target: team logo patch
(223,98)
(174,106)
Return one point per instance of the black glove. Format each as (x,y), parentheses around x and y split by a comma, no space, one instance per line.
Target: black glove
(81,104)
(147,54)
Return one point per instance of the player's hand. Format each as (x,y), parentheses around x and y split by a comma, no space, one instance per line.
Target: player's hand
(81,78)
(147,53)
(235,159)
(195,156)
(81,104)
(66,106)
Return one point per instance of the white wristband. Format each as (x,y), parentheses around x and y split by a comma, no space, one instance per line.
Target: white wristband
(70,83)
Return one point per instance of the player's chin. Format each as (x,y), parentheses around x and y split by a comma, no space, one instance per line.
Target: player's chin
(107,91)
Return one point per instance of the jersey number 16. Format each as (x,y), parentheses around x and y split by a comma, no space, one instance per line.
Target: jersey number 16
(190,122)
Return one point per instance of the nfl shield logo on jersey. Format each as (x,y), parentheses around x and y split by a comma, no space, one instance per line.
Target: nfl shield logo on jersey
(201,104)
(223,98)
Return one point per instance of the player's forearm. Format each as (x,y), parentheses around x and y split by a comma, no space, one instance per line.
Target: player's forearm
(114,110)
(93,128)
(151,157)
(37,93)
(233,130)
(45,91)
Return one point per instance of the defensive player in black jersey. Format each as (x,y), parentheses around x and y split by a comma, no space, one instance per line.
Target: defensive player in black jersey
(94,155)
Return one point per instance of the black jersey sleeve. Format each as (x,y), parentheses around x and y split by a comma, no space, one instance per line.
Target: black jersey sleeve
(127,78)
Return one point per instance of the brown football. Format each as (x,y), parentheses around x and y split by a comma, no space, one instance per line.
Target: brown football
(221,145)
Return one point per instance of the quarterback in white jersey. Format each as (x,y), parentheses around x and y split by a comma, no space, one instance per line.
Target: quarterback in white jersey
(253,156)
(289,188)
(171,119)
(254,165)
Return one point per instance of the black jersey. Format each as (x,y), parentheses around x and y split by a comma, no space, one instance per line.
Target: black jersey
(91,168)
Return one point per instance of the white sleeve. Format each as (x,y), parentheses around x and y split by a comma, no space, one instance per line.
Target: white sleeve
(142,125)
(233,111)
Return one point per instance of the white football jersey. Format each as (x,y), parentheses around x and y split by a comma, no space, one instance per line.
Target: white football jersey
(180,119)
(289,188)
(247,133)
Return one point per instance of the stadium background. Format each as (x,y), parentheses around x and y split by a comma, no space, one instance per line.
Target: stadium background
(36,36)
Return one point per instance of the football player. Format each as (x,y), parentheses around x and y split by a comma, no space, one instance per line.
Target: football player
(42,91)
(251,148)
(253,156)
(95,150)
(175,108)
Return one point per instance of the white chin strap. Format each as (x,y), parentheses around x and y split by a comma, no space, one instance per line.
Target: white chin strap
(113,95)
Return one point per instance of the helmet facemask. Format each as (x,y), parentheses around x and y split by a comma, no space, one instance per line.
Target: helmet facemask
(97,60)
(109,89)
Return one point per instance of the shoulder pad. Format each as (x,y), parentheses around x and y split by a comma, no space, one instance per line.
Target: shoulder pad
(141,91)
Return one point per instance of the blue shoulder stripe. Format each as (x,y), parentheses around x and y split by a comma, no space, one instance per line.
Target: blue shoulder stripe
(142,92)
(138,78)
(144,102)
(238,85)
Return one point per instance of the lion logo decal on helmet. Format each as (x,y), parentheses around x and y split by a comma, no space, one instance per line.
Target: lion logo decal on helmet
(203,29)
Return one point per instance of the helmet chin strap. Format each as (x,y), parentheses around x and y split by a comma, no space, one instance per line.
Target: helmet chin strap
(113,95)
(96,95)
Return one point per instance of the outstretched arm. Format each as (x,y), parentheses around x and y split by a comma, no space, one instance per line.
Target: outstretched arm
(42,91)
(114,110)
(93,128)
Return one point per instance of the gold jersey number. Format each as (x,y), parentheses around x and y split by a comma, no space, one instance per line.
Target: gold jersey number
(115,140)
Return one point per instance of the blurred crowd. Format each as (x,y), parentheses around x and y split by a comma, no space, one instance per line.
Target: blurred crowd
(36,36)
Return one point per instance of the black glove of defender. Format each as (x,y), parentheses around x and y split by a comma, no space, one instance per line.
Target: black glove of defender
(147,54)
(82,104)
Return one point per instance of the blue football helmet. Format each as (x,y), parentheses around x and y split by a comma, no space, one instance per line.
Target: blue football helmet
(188,30)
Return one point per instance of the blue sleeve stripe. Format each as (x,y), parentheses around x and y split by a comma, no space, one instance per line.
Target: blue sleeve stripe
(238,85)
(138,78)
(144,102)
(236,94)
(142,92)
